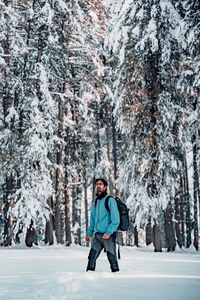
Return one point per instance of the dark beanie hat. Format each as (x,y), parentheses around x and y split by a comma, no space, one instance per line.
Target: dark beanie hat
(103,180)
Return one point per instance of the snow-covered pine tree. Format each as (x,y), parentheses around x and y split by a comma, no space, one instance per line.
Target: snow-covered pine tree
(151,106)
(6,179)
(188,87)
(82,31)
(12,45)
(38,115)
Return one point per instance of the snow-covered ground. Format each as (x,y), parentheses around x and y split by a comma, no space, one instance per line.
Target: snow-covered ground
(58,273)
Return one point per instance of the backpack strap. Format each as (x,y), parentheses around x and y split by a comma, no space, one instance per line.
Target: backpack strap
(106,204)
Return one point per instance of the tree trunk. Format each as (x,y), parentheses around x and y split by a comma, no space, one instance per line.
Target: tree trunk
(49,224)
(67,216)
(79,198)
(31,236)
(86,206)
(97,155)
(66,185)
(157,237)
(136,236)
(149,232)
(169,228)
(8,204)
(58,215)
(130,237)
(182,211)
(196,194)
(109,152)
(178,226)
(117,191)
(187,206)
(76,213)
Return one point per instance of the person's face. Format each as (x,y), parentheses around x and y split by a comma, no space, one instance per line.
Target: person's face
(100,187)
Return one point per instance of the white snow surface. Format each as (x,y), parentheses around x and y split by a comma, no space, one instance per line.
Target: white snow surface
(58,273)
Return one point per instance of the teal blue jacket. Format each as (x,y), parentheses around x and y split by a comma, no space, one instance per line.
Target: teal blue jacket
(101,220)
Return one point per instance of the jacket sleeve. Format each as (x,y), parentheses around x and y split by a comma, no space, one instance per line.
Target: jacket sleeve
(114,216)
(92,220)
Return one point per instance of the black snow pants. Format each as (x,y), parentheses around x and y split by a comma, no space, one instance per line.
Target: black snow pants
(109,245)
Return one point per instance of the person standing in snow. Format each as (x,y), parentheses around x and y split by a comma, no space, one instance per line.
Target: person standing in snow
(104,225)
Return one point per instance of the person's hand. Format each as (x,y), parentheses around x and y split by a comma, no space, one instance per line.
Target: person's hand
(106,236)
(87,238)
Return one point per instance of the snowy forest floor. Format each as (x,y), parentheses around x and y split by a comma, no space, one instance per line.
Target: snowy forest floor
(58,273)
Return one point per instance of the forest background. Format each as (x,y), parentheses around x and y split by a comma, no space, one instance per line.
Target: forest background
(99,88)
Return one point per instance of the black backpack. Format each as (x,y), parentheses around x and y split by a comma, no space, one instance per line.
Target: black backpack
(123,213)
